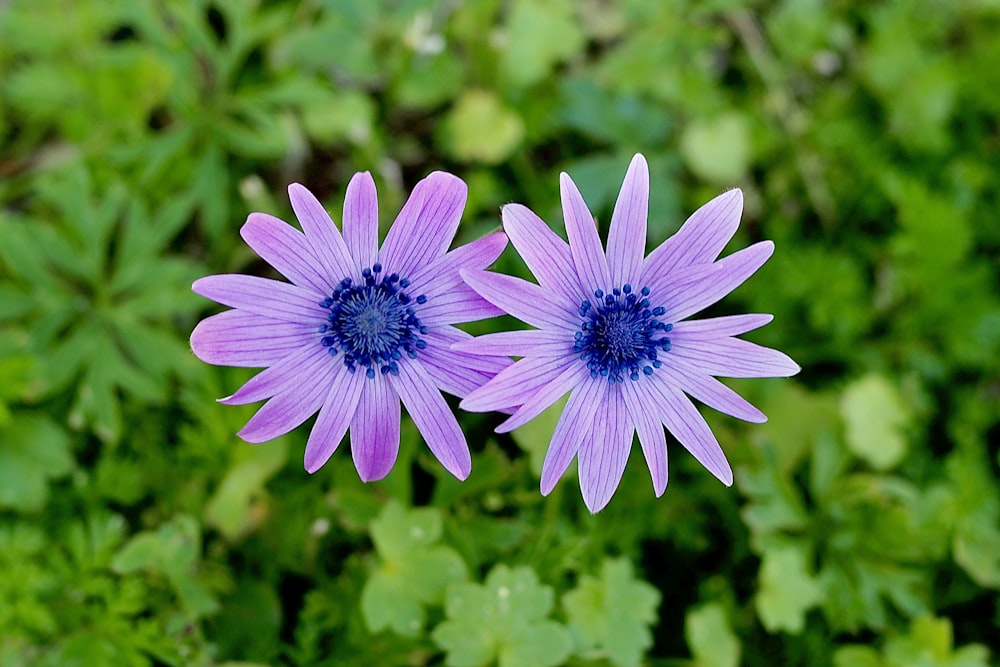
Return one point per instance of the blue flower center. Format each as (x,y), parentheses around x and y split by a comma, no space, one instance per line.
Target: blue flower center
(621,335)
(373,323)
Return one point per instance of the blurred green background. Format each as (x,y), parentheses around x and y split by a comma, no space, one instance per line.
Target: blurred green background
(864,526)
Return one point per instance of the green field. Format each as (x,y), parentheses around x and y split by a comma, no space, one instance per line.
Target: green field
(863,528)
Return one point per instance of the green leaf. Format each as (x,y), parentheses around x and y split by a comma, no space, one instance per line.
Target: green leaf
(613,614)
(172,551)
(413,572)
(539,35)
(787,590)
(504,619)
(875,416)
(481,128)
(710,637)
(718,149)
(33,450)
(231,509)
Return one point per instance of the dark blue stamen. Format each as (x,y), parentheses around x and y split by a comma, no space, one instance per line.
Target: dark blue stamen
(373,323)
(621,336)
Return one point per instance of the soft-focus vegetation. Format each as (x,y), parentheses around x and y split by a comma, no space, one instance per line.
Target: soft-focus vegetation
(137,530)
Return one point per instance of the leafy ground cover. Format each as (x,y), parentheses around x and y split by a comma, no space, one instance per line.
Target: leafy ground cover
(863,529)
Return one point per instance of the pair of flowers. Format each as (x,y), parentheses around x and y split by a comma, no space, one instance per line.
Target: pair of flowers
(363,327)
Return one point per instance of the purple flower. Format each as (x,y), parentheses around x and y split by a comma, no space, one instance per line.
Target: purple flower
(360,328)
(612,330)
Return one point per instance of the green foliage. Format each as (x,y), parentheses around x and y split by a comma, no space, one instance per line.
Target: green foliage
(414,571)
(505,619)
(136,529)
(610,616)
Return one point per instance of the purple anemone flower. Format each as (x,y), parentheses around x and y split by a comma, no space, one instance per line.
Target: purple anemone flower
(359,328)
(612,330)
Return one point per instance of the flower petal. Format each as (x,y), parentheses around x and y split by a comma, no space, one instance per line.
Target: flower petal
(584,241)
(453,371)
(281,376)
(534,405)
(334,417)
(515,385)
(700,239)
(734,358)
(603,456)
(442,275)
(239,338)
(287,250)
(324,237)
(433,418)
(547,256)
(525,301)
(627,235)
(686,424)
(270,298)
(361,220)
(290,408)
(719,327)
(460,304)
(573,427)
(426,225)
(711,392)
(523,343)
(732,271)
(375,429)
(650,429)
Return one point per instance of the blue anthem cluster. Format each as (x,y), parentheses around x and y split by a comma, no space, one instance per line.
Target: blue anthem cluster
(373,323)
(621,335)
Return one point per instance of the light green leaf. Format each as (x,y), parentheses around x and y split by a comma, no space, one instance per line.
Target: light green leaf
(414,570)
(32,451)
(481,128)
(613,614)
(711,638)
(787,590)
(717,149)
(539,35)
(231,507)
(875,416)
(503,619)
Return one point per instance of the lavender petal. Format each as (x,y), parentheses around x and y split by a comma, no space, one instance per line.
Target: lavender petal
(515,385)
(543,397)
(426,225)
(584,242)
(573,427)
(375,430)
(732,272)
(290,408)
(361,219)
(334,418)
(627,235)
(270,298)
(239,338)
(434,419)
(525,301)
(734,358)
(287,250)
(700,239)
(603,456)
(686,424)
(324,237)
(547,256)
(654,442)
(519,343)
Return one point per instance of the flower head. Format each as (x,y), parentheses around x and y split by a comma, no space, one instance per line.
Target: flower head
(611,329)
(359,328)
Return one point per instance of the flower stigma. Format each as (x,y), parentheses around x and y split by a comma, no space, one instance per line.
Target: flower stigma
(618,335)
(373,323)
